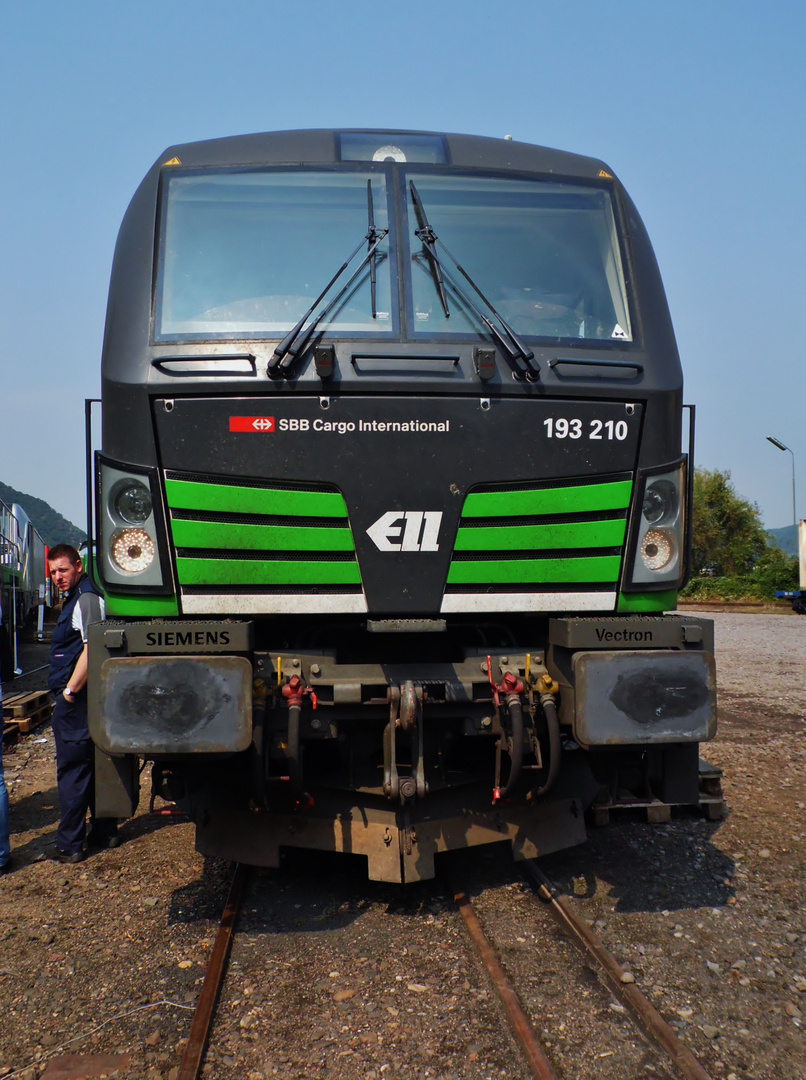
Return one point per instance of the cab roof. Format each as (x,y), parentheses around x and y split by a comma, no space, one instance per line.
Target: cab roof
(324,146)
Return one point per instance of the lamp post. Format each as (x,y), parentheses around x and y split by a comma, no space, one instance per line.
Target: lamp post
(783,446)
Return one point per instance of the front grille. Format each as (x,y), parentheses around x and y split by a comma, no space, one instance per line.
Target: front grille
(249,535)
(553,537)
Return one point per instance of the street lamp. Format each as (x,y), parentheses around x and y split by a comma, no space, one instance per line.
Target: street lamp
(783,446)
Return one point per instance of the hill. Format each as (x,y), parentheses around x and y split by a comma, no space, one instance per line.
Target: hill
(53,528)
(785,538)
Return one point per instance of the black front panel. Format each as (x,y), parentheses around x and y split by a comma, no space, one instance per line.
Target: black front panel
(404,468)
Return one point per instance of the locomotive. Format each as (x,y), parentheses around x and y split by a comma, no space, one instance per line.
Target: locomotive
(392,505)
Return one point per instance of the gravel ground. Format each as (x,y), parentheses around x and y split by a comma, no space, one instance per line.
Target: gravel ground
(708,915)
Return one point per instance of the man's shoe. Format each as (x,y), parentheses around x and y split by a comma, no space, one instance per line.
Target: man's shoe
(5,868)
(102,843)
(55,854)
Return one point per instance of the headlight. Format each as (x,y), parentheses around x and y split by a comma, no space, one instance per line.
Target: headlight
(132,550)
(131,530)
(657,549)
(132,502)
(660,501)
(658,532)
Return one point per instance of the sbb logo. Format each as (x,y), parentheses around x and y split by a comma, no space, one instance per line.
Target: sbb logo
(261,424)
(294,425)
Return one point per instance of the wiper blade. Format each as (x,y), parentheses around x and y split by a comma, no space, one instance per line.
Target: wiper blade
(511,343)
(427,237)
(296,339)
(372,235)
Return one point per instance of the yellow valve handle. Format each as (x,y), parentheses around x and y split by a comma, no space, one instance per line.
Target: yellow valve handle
(547,685)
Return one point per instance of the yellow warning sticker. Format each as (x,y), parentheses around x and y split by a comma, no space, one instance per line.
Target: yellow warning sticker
(173,161)
(604,175)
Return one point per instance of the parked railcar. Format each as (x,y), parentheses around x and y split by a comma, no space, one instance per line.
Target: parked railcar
(392,503)
(23,579)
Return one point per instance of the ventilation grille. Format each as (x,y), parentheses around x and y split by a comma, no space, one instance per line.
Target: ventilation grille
(250,536)
(552,538)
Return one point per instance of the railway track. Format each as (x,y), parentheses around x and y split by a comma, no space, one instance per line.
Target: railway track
(193,1056)
(305,1001)
(632,1056)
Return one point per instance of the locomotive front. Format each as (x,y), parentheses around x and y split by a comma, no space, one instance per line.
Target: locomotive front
(391,500)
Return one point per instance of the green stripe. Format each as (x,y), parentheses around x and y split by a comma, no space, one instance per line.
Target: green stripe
(230,499)
(218,535)
(579,534)
(597,568)
(650,601)
(255,572)
(585,498)
(144,607)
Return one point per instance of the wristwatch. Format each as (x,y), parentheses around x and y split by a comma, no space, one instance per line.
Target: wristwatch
(68,691)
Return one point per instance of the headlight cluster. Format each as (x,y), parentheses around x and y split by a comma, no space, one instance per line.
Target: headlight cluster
(132,550)
(128,546)
(661,530)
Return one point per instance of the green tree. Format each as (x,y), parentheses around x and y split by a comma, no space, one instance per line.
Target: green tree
(776,570)
(728,536)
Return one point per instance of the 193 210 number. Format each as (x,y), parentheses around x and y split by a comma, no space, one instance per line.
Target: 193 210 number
(573,429)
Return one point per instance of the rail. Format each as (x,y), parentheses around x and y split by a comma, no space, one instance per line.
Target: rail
(193,1057)
(539,1064)
(647,1017)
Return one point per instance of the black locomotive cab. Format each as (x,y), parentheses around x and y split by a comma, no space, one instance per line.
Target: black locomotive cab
(391,506)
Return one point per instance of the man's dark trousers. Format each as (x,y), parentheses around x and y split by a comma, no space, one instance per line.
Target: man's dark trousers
(75,757)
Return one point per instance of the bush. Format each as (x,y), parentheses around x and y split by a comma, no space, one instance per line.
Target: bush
(775,571)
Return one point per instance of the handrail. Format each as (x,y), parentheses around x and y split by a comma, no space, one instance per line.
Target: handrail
(88,464)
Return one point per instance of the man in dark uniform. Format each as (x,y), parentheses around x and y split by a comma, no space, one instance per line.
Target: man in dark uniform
(75,752)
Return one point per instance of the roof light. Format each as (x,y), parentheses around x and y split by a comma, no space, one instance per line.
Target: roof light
(392,146)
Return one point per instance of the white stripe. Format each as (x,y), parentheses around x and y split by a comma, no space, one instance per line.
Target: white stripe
(275,604)
(547,601)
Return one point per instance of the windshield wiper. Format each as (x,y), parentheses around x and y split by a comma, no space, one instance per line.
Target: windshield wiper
(428,238)
(511,343)
(372,235)
(295,341)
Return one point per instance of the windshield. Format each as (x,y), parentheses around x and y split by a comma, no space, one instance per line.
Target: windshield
(245,254)
(545,255)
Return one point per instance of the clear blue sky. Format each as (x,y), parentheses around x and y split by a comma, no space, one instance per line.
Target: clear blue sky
(699,106)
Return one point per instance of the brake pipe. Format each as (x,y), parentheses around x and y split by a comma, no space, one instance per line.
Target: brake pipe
(295,691)
(511,687)
(548,688)
(516,757)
